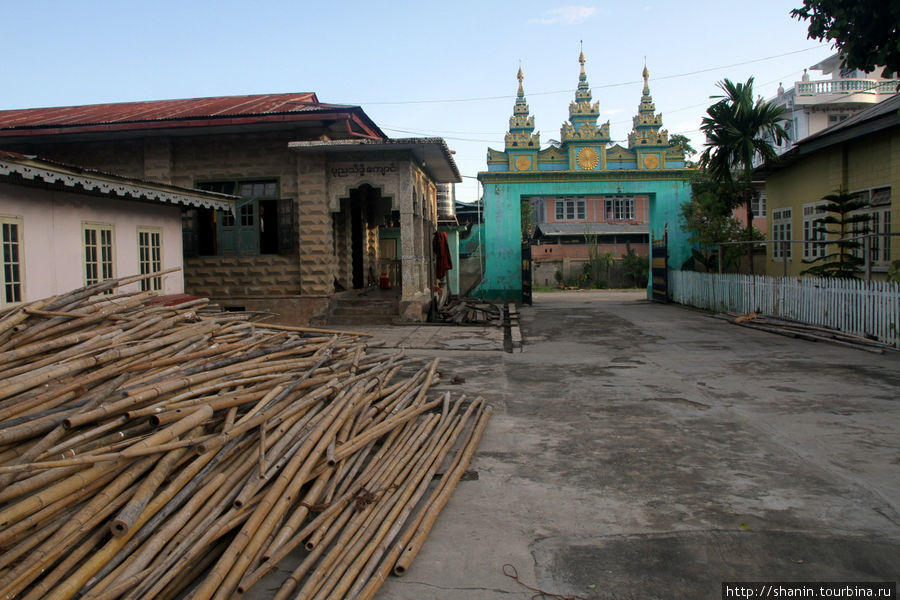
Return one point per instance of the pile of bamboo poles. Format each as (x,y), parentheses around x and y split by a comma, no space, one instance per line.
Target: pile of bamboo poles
(152,451)
(468,312)
(812,333)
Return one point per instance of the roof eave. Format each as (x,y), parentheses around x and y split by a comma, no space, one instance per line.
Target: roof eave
(827,139)
(37,171)
(353,115)
(432,153)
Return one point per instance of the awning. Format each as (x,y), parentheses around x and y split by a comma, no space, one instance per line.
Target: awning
(33,169)
(599,229)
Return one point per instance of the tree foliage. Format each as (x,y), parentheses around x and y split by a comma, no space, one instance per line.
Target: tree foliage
(708,219)
(635,267)
(738,130)
(865,32)
(527,209)
(842,224)
(683,143)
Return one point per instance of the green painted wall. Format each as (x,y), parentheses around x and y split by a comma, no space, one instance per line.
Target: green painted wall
(502,279)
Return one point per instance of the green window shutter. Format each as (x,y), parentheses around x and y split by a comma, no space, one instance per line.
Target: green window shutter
(285,225)
(190,232)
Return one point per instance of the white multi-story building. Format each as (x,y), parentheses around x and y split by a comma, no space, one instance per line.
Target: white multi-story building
(814,105)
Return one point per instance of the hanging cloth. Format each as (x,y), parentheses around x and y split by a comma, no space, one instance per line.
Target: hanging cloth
(442,260)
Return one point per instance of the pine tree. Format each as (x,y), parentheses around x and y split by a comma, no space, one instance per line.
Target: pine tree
(842,224)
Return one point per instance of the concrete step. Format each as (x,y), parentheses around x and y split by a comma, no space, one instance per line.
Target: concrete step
(373,307)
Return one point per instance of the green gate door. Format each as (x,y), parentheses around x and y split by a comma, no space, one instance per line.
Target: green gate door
(659,268)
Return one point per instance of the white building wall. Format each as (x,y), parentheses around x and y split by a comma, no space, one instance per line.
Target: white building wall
(52,236)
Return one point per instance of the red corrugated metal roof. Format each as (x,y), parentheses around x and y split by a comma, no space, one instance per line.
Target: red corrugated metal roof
(124,115)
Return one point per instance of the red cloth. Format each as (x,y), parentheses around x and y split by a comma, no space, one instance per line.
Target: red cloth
(442,260)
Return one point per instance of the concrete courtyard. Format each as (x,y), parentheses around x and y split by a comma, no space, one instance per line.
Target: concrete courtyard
(642,451)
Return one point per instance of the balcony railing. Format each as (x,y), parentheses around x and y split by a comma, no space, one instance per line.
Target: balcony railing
(847,86)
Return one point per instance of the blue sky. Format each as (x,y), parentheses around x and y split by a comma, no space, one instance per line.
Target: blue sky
(445,69)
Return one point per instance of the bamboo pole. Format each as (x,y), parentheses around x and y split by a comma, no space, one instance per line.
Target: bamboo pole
(267,410)
(33,530)
(352,557)
(318,530)
(312,330)
(179,490)
(225,575)
(42,591)
(24,573)
(125,520)
(290,584)
(366,513)
(293,522)
(193,545)
(383,560)
(35,502)
(448,483)
(77,579)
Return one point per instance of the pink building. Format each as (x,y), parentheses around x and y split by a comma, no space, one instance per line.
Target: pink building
(567,228)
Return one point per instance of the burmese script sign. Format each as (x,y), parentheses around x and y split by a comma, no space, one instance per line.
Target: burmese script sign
(361,169)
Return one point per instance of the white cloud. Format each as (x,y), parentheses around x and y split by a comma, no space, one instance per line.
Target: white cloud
(568,15)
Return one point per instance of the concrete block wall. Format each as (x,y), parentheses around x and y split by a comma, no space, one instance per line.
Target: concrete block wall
(343,270)
(119,157)
(224,276)
(317,260)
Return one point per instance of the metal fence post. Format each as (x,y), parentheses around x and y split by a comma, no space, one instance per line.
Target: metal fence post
(784,249)
(867,252)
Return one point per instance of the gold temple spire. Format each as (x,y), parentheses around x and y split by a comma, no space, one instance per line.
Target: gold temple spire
(646,75)
(581,56)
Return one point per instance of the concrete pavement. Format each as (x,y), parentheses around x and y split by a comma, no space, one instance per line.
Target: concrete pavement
(647,451)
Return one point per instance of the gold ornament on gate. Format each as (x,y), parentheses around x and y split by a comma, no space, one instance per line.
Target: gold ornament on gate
(651,161)
(588,158)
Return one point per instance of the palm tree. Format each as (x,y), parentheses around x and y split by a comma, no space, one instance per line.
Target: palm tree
(738,131)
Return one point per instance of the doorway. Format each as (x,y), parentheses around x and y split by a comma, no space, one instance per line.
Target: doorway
(357,247)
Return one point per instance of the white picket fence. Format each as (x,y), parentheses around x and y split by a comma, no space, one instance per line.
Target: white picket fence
(859,307)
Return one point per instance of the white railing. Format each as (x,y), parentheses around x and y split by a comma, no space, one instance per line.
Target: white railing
(866,308)
(846,86)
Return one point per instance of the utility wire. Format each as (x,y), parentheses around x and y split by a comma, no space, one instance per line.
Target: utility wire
(570,90)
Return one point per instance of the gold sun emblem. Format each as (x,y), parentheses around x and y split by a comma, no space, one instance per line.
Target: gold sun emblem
(523,163)
(651,161)
(588,158)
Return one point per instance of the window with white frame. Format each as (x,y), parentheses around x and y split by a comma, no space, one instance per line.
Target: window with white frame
(781,233)
(11,277)
(150,257)
(98,252)
(570,209)
(812,221)
(758,203)
(619,208)
(878,224)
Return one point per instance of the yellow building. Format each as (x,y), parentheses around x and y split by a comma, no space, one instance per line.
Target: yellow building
(860,155)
